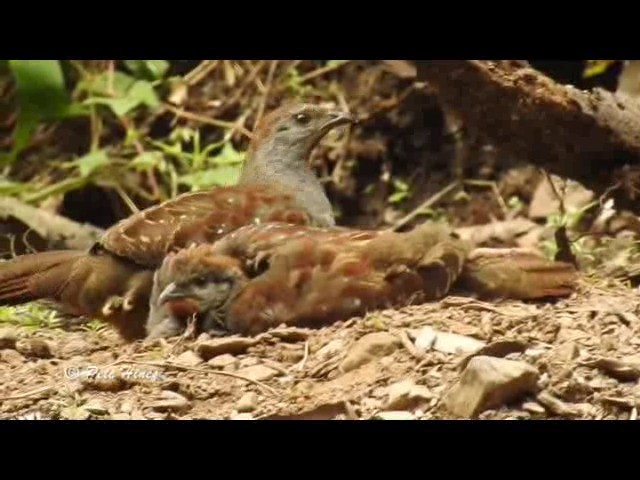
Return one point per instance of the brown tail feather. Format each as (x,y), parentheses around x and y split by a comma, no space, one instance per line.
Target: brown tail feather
(21,278)
(517,273)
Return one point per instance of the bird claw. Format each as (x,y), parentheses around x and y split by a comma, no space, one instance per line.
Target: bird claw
(116,303)
(112,305)
(128,304)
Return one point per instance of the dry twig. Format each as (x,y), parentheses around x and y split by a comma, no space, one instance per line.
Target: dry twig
(424,205)
(200,370)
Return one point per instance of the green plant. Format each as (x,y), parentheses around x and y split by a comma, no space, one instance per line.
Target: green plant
(567,220)
(295,84)
(594,68)
(42,97)
(217,164)
(31,316)
(401,191)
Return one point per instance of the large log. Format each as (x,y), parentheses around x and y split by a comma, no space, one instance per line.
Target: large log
(50,231)
(592,137)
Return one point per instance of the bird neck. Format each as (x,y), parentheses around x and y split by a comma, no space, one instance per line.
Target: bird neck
(287,167)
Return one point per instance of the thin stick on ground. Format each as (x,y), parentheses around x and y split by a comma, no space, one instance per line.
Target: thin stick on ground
(338,169)
(300,365)
(240,90)
(431,201)
(267,89)
(321,71)
(201,71)
(209,121)
(494,188)
(559,197)
(30,393)
(30,248)
(126,198)
(563,243)
(200,370)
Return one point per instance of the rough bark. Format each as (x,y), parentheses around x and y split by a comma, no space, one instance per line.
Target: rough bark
(592,137)
(50,230)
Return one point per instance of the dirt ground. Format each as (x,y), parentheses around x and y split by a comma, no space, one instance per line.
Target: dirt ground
(581,351)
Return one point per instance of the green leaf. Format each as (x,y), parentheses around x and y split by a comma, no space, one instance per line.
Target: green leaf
(219,177)
(182,134)
(99,85)
(147,161)
(400,185)
(596,67)
(25,128)
(41,95)
(140,93)
(148,69)
(120,106)
(41,88)
(8,188)
(228,156)
(397,197)
(91,162)
(144,93)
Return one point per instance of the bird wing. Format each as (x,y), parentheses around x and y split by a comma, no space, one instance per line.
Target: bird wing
(199,217)
(254,244)
(309,281)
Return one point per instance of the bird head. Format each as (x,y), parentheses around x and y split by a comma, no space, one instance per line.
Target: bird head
(295,128)
(194,283)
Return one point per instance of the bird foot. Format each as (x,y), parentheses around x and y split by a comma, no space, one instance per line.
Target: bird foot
(117,303)
(112,305)
(128,304)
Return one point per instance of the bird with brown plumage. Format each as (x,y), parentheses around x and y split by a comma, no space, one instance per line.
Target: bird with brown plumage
(261,276)
(113,280)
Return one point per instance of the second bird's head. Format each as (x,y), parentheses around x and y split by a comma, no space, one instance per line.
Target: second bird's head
(197,284)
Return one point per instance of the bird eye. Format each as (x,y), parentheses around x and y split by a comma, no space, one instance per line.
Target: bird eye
(200,281)
(302,118)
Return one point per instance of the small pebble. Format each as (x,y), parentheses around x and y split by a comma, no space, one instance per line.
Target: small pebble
(8,338)
(533,407)
(95,407)
(172,401)
(247,402)
(241,416)
(223,361)
(396,415)
(35,347)
(188,359)
(258,372)
(11,357)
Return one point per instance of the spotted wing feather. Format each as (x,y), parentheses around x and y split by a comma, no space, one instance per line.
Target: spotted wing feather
(200,217)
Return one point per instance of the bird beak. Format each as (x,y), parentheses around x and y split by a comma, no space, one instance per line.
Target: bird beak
(337,118)
(171,292)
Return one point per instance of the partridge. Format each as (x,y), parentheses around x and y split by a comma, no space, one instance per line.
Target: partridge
(113,280)
(261,276)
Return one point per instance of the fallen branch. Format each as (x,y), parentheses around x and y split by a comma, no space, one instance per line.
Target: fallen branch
(58,231)
(592,137)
